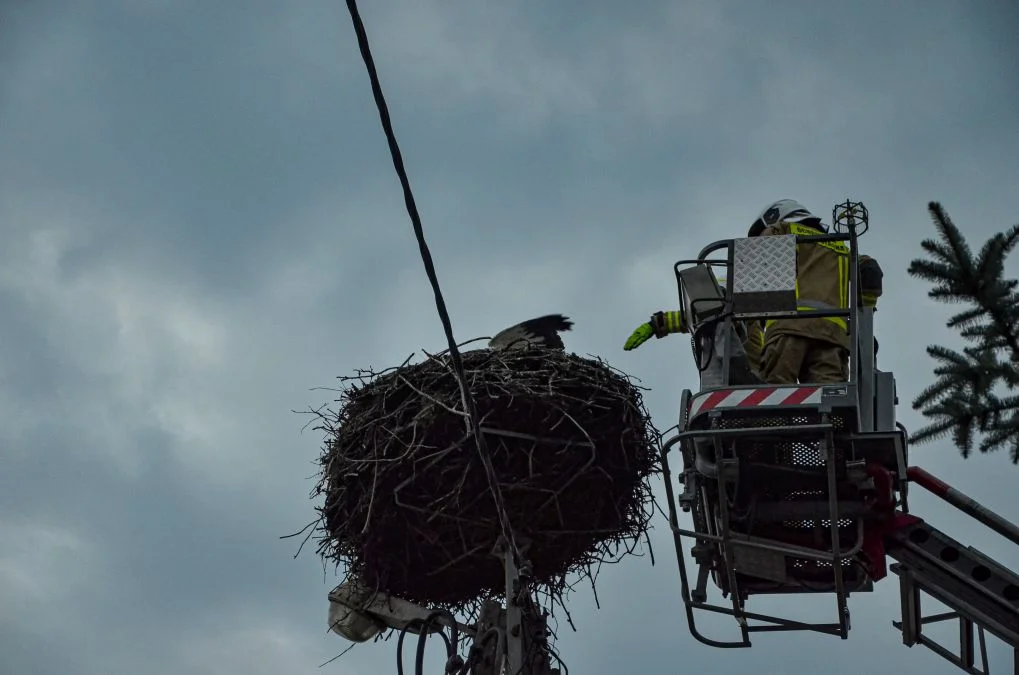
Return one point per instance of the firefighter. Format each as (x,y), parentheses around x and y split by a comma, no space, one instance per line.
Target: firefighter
(812,350)
(790,350)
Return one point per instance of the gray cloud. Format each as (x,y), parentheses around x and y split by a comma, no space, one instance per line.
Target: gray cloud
(200,224)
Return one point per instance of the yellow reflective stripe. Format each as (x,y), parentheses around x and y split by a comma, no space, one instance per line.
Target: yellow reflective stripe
(804,231)
(814,304)
(869,299)
(843,282)
(837,320)
(755,335)
(673,322)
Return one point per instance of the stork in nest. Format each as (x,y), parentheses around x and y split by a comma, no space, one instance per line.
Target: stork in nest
(542,332)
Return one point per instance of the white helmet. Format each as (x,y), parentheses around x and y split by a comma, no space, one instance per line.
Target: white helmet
(783,211)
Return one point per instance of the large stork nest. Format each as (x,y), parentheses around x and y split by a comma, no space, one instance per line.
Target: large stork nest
(409,508)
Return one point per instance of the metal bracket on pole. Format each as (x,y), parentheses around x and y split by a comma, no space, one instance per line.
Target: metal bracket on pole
(514,654)
(489,640)
(524,647)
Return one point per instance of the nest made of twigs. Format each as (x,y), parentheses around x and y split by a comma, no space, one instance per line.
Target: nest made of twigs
(409,508)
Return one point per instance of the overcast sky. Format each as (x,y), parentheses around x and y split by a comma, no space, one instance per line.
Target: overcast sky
(200,223)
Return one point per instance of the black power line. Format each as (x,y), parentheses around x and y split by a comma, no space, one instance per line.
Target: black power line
(458,369)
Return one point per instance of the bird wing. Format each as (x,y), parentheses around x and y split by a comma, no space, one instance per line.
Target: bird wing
(540,332)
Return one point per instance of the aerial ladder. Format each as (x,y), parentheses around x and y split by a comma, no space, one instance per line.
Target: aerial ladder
(791,489)
(803,488)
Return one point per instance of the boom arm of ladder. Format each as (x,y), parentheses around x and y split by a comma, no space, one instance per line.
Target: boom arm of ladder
(981,593)
(967,505)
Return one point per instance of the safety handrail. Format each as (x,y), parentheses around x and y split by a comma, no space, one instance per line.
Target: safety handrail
(850,313)
(703,259)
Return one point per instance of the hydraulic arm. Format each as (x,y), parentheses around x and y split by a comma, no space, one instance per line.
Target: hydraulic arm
(982,595)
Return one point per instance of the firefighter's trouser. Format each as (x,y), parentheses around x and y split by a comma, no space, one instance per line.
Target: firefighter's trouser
(788,359)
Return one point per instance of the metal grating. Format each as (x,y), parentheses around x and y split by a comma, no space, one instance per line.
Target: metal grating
(746,421)
(811,524)
(802,454)
(800,563)
(812,496)
(817,575)
(798,454)
(820,572)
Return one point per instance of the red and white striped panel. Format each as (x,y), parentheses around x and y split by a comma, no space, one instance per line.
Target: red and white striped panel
(749,398)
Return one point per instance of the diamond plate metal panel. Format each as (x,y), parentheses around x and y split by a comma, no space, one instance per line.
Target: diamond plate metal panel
(764,264)
(764,275)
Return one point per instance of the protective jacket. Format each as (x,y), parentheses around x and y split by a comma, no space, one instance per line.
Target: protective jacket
(753,344)
(822,282)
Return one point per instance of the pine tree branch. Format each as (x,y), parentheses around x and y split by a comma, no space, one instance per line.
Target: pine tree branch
(931,432)
(1007,432)
(928,270)
(1005,328)
(967,318)
(948,357)
(951,236)
(962,399)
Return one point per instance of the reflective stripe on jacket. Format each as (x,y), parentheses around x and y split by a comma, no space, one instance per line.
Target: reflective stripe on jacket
(753,345)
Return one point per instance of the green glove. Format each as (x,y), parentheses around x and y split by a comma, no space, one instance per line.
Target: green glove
(644,332)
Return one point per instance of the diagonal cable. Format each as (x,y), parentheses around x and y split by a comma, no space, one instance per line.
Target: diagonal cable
(458,368)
